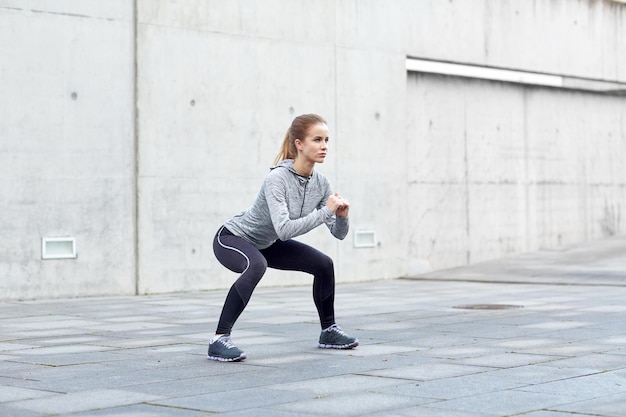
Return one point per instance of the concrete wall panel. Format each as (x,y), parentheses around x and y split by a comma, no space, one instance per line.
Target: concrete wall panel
(447,31)
(295,21)
(497,220)
(66,150)
(372,25)
(437,226)
(370,163)
(582,38)
(467,138)
(212,118)
(605,209)
(567,141)
(111,10)
(535,173)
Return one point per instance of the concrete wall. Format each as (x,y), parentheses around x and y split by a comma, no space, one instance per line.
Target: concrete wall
(502,169)
(445,170)
(66,146)
(583,38)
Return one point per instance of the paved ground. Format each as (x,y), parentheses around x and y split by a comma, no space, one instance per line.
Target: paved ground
(562,352)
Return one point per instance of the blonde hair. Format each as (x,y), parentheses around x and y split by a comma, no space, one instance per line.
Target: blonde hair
(298,130)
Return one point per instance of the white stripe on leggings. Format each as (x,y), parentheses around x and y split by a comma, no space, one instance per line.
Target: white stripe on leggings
(219,234)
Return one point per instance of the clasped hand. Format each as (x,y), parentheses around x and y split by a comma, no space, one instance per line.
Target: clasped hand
(338,205)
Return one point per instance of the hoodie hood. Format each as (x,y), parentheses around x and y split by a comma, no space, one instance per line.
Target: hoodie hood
(288,163)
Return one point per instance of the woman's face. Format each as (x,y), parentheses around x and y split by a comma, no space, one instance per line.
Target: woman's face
(315,145)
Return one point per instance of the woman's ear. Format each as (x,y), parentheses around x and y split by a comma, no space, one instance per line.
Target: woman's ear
(298,143)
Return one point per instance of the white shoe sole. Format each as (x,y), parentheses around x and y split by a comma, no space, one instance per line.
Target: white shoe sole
(220,359)
(348,346)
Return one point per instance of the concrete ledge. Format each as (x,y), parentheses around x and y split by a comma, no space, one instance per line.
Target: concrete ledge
(599,262)
(514,76)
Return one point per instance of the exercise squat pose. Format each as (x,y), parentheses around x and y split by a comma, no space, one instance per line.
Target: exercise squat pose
(293,200)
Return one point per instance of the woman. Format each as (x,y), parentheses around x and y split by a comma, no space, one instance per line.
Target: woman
(293,200)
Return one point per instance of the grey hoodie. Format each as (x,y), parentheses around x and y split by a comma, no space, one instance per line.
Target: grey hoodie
(288,205)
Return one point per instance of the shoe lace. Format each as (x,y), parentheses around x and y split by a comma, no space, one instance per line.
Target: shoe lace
(336,329)
(226,341)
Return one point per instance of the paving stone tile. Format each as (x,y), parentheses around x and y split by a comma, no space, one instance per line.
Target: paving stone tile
(584,386)
(75,356)
(354,404)
(552,413)
(83,401)
(24,336)
(384,349)
(429,371)
(539,374)
(61,349)
(459,352)
(261,411)
(185,386)
(112,377)
(503,403)
(621,351)
(141,410)
(335,384)
(523,343)
(129,326)
(10,411)
(223,401)
(608,406)
(488,331)
(278,320)
(450,388)
(569,349)
(274,360)
(589,334)
(507,360)
(9,393)
(426,411)
(264,340)
(136,342)
(71,340)
(558,325)
(597,361)
(15,346)
(54,323)
(133,319)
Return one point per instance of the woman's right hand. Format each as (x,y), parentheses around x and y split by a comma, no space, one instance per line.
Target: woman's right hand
(334,203)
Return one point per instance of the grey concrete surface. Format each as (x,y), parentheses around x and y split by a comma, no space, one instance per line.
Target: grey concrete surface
(601,262)
(559,352)
(138,127)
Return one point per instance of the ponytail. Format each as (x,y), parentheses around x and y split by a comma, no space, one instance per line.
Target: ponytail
(287,150)
(298,130)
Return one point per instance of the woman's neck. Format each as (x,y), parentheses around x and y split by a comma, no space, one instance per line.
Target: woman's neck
(304,169)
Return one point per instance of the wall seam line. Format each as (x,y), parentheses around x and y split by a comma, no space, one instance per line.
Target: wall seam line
(136,150)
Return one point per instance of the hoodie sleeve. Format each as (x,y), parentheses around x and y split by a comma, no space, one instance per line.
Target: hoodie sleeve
(338,226)
(276,196)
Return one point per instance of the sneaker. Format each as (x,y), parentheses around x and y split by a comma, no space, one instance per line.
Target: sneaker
(224,350)
(335,338)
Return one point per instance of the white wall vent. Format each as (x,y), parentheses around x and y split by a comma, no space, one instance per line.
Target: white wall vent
(365,239)
(58,248)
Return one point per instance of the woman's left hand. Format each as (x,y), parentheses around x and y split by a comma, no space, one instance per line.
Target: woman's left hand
(344,206)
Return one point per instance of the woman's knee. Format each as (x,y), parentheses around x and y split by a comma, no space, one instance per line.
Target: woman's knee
(325,263)
(251,277)
(257,267)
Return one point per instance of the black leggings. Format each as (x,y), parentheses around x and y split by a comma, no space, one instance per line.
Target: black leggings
(239,255)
